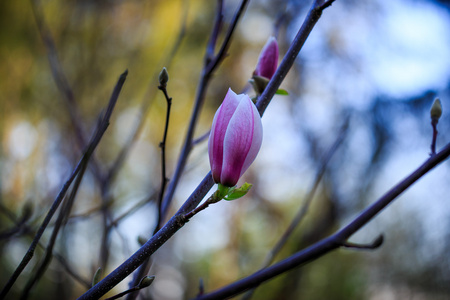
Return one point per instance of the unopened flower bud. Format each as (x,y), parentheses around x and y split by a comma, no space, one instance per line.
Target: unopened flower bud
(268,59)
(163,77)
(146,281)
(436,109)
(235,138)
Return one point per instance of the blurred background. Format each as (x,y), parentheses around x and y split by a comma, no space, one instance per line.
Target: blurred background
(379,64)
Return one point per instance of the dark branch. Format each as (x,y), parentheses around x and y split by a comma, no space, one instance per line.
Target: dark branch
(339,239)
(374,245)
(84,160)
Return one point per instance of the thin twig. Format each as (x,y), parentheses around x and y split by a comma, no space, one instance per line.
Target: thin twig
(337,240)
(143,283)
(143,269)
(26,230)
(98,134)
(162,145)
(146,104)
(209,68)
(63,214)
(313,16)
(62,83)
(201,138)
(374,245)
(434,122)
(211,47)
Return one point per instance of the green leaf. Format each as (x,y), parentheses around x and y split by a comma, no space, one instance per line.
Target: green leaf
(281,92)
(236,193)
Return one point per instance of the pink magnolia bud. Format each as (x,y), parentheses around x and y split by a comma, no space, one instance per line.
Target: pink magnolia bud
(268,59)
(235,138)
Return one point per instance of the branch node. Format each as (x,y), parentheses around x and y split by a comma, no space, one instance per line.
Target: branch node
(372,246)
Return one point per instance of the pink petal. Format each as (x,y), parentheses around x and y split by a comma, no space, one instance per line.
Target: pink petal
(238,142)
(268,59)
(218,130)
(256,141)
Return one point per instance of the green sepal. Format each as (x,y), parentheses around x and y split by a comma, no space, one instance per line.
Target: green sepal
(238,192)
(222,191)
(281,92)
(97,276)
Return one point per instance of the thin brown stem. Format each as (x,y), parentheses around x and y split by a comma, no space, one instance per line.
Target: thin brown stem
(162,145)
(434,123)
(210,66)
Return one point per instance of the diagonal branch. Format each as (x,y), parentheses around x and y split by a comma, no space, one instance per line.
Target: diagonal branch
(95,140)
(337,240)
(61,81)
(313,16)
(301,213)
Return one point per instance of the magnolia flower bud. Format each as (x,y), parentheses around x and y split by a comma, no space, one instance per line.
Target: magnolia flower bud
(436,109)
(163,77)
(268,59)
(235,138)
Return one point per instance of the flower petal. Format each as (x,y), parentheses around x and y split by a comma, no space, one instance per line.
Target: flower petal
(268,59)
(256,140)
(218,130)
(237,142)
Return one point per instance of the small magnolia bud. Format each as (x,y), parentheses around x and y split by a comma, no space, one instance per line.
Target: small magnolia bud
(163,77)
(146,281)
(268,59)
(436,109)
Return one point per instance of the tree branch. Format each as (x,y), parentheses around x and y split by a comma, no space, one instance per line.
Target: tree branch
(95,140)
(339,239)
